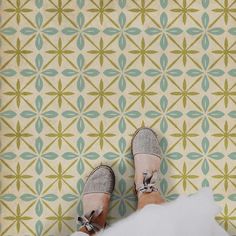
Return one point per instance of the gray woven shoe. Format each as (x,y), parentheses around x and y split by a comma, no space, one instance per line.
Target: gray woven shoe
(96,198)
(147,164)
(145,141)
(100,180)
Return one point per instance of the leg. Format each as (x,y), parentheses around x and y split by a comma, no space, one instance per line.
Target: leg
(152,163)
(149,198)
(147,159)
(96,197)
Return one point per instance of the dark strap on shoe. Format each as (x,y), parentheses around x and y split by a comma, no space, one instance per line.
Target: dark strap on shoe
(88,218)
(149,181)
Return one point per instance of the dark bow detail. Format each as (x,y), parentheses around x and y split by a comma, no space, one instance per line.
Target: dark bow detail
(149,180)
(88,218)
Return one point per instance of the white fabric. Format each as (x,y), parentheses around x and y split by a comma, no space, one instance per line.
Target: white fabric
(186,216)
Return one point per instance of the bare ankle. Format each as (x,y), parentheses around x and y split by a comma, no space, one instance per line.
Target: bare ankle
(149,198)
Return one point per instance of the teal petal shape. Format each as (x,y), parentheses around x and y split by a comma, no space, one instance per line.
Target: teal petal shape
(80,144)
(50,114)
(111,72)
(69,114)
(80,167)
(205,144)
(8,72)
(216,31)
(27,156)
(91,31)
(152,31)
(8,114)
(205,125)
(8,155)
(50,31)
(122,3)
(27,114)
(175,155)
(122,144)
(122,19)
(39,3)
(50,197)
(133,31)
(194,31)
(163,19)
(39,167)
(69,155)
(50,72)
(174,72)
(232,155)
(122,125)
(80,42)
(205,20)
(110,31)
(80,84)
(39,19)
(39,228)
(8,197)
(133,72)
(205,183)
(80,20)
(163,167)
(174,114)
(80,186)
(111,114)
(122,83)
(27,197)
(232,197)
(152,72)
(152,114)
(122,167)
(164,3)
(69,31)
(110,156)
(122,42)
(69,197)
(194,155)
(218,197)
(39,125)
(39,208)
(80,61)
(91,114)
(50,156)
(164,61)
(8,31)
(205,167)
(216,155)
(122,61)
(133,114)
(163,186)
(175,31)
(205,3)
(39,186)
(39,144)
(80,3)
(205,83)
(216,114)
(92,155)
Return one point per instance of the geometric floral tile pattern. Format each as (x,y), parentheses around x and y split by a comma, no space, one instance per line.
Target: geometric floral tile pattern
(79,77)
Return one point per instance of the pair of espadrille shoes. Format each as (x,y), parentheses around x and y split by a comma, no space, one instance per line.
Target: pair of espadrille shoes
(101,181)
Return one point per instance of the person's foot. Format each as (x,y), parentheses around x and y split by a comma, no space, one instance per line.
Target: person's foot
(96,197)
(147,157)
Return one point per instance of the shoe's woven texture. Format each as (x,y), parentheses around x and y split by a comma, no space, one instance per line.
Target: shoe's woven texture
(101,180)
(145,141)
